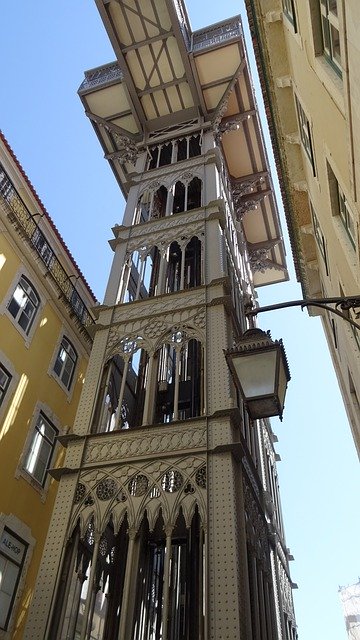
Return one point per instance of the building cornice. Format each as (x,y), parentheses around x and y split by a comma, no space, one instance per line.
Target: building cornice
(263,66)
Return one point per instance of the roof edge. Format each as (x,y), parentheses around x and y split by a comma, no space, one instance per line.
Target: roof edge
(47,215)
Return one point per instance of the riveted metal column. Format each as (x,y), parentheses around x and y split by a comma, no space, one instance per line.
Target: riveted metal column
(124,630)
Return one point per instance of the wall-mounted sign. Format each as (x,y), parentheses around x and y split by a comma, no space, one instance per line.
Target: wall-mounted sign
(12,547)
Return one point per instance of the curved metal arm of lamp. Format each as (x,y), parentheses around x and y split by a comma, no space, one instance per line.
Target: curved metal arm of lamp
(345,304)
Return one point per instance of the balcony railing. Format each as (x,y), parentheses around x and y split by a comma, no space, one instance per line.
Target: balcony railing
(184,25)
(30,230)
(103,75)
(218,34)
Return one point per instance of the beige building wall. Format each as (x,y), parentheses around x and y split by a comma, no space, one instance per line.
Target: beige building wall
(312,95)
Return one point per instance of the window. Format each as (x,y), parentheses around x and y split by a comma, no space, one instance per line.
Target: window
(341,209)
(5,379)
(41,449)
(187,196)
(305,133)
(174,151)
(289,11)
(65,362)
(330,33)
(12,556)
(179,379)
(320,239)
(346,216)
(77,304)
(24,304)
(43,248)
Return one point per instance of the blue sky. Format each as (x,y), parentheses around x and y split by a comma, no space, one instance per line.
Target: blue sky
(44,51)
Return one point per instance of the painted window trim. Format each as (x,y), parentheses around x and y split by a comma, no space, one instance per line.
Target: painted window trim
(4,360)
(4,305)
(320,238)
(335,192)
(64,333)
(348,214)
(328,20)
(305,133)
(21,471)
(5,387)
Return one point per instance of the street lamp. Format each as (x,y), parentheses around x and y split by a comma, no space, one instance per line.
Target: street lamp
(260,370)
(259,365)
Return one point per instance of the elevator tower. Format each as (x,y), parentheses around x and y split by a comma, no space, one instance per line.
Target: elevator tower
(167,524)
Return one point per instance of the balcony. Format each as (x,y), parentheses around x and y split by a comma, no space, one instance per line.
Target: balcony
(101,76)
(216,35)
(24,222)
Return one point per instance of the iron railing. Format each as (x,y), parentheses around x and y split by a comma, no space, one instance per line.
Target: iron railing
(103,75)
(216,34)
(31,232)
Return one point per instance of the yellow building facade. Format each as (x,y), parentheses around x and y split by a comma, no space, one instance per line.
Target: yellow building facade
(308,55)
(45,327)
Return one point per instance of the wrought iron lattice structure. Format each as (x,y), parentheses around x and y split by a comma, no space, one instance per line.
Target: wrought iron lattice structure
(164,462)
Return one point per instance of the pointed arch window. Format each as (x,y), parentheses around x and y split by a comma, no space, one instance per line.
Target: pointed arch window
(151,205)
(167,596)
(179,379)
(100,563)
(140,276)
(192,267)
(173,274)
(187,196)
(121,397)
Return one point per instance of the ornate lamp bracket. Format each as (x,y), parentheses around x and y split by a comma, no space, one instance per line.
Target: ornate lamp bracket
(339,308)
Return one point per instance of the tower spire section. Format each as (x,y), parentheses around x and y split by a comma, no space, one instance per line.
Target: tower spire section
(168,524)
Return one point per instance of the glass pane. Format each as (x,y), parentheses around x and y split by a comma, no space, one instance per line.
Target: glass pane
(40,470)
(8,577)
(67,373)
(14,307)
(46,429)
(326,35)
(4,378)
(58,365)
(351,226)
(333,7)
(26,316)
(335,44)
(5,601)
(256,373)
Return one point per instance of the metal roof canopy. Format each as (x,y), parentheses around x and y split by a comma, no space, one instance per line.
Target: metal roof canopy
(166,75)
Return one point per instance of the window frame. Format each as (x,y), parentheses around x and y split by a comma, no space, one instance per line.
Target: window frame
(27,297)
(59,374)
(290,12)
(31,442)
(346,216)
(4,387)
(320,238)
(19,566)
(329,22)
(305,133)
(8,365)
(343,213)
